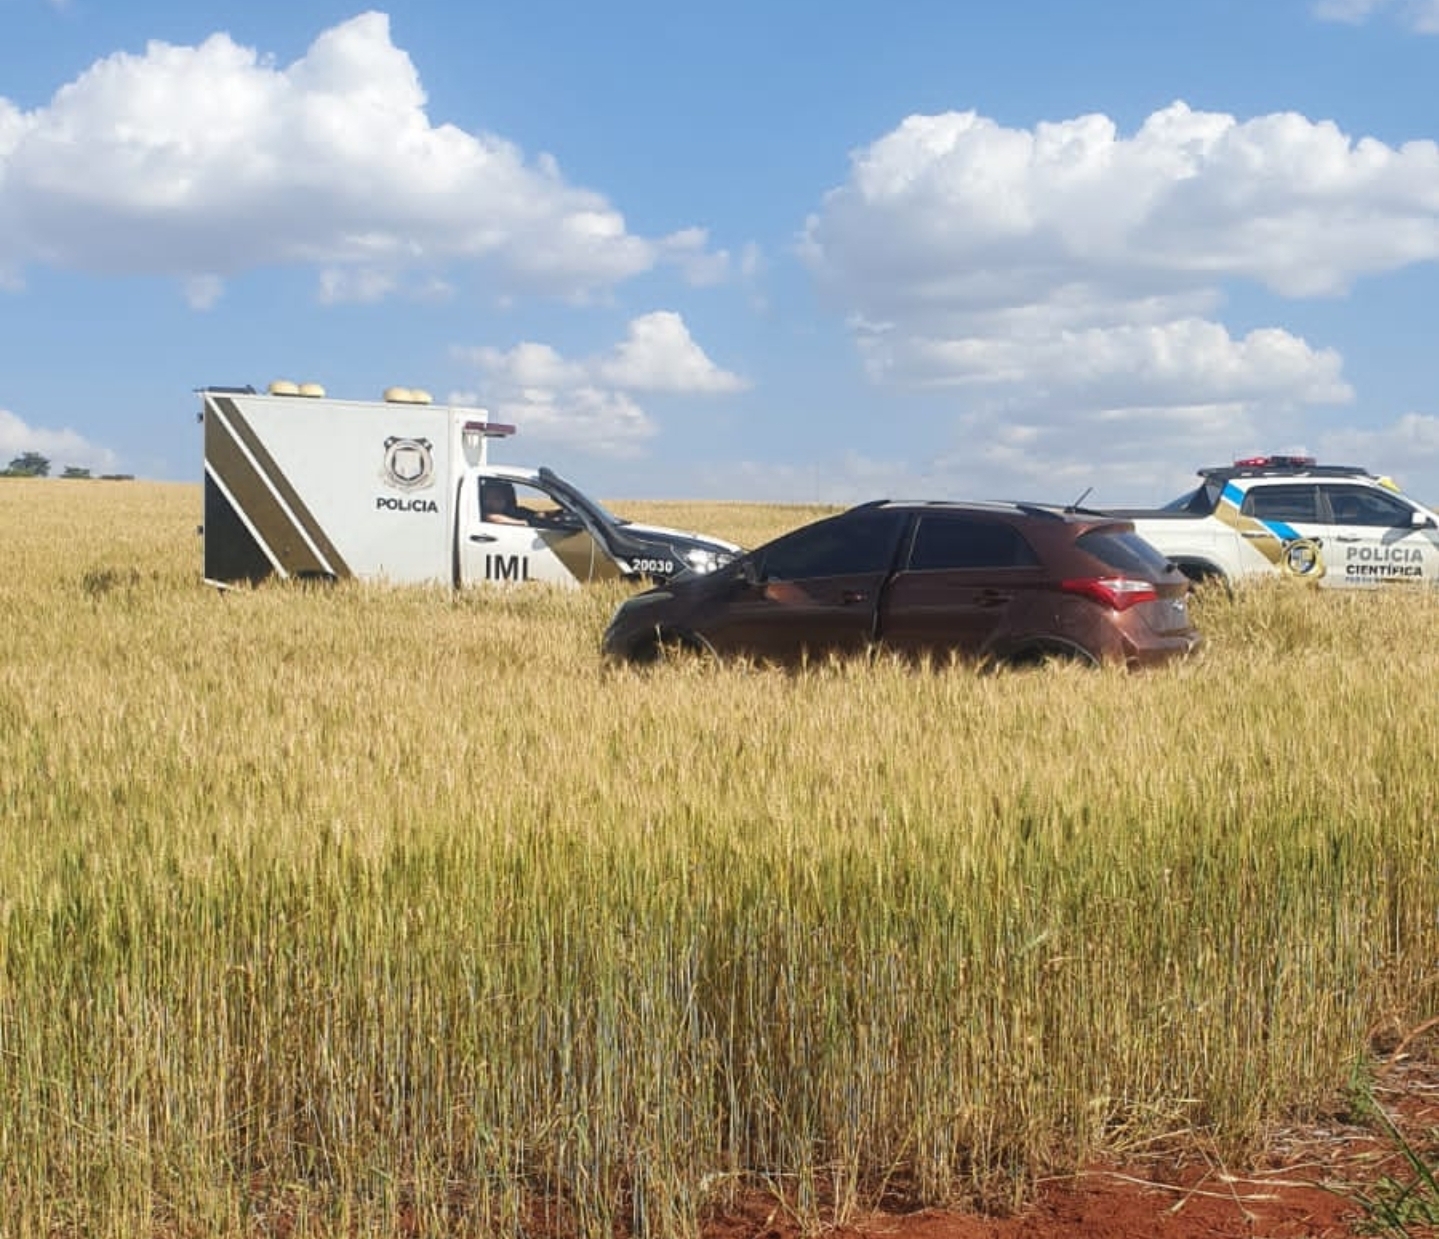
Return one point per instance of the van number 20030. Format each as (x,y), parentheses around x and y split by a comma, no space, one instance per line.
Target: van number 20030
(654,566)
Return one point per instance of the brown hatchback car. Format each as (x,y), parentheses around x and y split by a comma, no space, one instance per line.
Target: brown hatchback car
(989,582)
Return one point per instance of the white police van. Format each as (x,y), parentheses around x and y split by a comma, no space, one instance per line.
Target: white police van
(401,490)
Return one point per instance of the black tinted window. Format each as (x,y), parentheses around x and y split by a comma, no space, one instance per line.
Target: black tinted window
(1358,505)
(1125,552)
(852,543)
(943,541)
(1283,503)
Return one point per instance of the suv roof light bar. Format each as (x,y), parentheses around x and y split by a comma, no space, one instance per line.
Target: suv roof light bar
(1245,470)
(1275,462)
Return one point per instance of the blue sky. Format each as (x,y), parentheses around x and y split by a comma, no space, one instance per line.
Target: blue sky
(818,250)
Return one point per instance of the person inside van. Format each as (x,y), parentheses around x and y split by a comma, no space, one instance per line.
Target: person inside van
(498,504)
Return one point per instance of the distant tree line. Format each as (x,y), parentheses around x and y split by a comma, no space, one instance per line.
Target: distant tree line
(34,465)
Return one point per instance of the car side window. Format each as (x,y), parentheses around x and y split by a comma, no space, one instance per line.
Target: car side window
(1283,503)
(1359,505)
(843,545)
(943,541)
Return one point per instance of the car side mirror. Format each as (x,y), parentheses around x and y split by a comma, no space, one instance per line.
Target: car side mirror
(748,572)
(1421,520)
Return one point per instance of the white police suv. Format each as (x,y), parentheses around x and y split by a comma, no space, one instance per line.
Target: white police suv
(1336,525)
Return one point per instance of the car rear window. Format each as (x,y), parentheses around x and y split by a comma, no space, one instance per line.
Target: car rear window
(1124,551)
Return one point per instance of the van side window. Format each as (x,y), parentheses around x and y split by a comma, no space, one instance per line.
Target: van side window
(498,501)
(505,502)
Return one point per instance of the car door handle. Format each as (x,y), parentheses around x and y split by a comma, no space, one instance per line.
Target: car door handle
(1341,539)
(1257,533)
(990,598)
(851,596)
(483,537)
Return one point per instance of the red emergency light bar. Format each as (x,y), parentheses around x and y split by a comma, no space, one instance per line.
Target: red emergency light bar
(1275,462)
(491,430)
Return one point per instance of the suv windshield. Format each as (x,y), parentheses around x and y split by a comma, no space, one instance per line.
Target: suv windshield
(1203,500)
(1125,551)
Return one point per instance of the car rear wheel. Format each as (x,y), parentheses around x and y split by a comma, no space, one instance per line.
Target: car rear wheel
(1048,652)
(1204,576)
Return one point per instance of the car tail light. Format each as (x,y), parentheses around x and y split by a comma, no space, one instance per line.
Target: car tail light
(1119,593)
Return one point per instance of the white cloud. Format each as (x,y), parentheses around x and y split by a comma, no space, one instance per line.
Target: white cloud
(212,160)
(660,355)
(1421,16)
(203,291)
(63,448)
(1180,362)
(689,250)
(527,365)
(586,419)
(358,285)
(1407,448)
(1061,288)
(957,212)
(588,403)
(1349,11)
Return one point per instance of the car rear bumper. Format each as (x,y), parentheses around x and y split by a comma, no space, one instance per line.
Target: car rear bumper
(1156,650)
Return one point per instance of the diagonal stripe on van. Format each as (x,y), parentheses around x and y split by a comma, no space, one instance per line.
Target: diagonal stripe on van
(292,536)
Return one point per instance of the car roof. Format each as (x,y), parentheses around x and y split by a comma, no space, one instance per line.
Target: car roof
(990,507)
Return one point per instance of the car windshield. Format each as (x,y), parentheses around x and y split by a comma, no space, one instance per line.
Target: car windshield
(1125,551)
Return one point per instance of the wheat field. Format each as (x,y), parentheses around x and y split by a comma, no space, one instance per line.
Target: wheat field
(323,909)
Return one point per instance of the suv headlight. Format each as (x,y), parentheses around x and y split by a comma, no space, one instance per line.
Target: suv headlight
(703,560)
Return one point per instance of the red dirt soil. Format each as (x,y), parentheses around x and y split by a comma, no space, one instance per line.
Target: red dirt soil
(1308,1184)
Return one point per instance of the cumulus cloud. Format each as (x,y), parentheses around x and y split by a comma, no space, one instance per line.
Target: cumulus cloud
(958,212)
(63,448)
(206,161)
(1421,16)
(689,250)
(1063,281)
(660,355)
(587,419)
(1177,362)
(1412,442)
(590,403)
